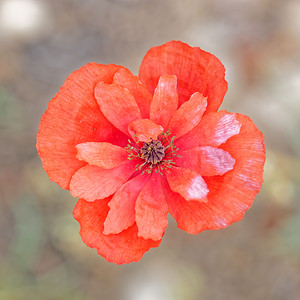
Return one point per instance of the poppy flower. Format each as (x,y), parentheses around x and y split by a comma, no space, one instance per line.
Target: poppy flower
(134,149)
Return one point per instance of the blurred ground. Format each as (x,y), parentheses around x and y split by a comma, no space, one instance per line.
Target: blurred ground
(41,254)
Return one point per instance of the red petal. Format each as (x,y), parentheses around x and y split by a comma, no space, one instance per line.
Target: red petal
(117,104)
(213,130)
(92,183)
(103,155)
(73,116)
(121,248)
(144,130)
(207,161)
(196,71)
(188,183)
(165,100)
(142,96)
(152,210)
(122,205)
(188,115)
(231,194)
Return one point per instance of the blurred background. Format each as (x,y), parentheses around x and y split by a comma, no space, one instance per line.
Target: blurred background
(41,253)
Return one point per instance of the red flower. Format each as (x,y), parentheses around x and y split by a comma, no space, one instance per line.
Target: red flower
(134,149)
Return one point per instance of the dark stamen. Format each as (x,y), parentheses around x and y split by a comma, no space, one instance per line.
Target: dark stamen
(156,155)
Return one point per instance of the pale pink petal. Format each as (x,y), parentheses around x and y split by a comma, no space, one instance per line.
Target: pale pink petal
(188,115)
(214,129)
(152,210)
(144,130)
(188,183)
(103,155)
(165,100)
(92,183)
(142,96)
(117,105)
(206,160)
(122,205)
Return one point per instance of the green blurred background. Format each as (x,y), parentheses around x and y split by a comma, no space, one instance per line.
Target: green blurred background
(41,253)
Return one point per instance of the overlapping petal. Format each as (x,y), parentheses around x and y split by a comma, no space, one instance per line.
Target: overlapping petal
(117,104)
(191,216)
(103,155)
(122,205)
(229,195)
(142,96)
(144,130)
(121,248)
(92,183)
(206,160)
(188,115)
(152,210)
(73,116)
(165,100)
(214,129)
(195,69)
(188,183)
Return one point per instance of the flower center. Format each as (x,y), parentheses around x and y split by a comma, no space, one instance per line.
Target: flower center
(153,152)
(154,155)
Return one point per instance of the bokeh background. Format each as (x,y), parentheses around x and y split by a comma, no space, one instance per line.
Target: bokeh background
(41,253)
